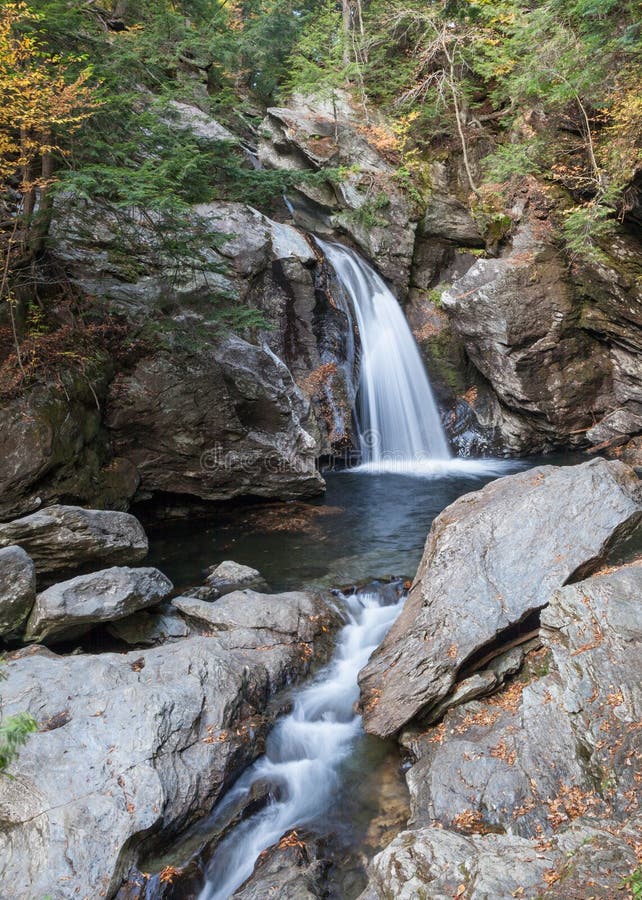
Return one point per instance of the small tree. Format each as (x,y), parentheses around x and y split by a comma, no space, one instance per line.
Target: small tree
(14,732)
(41,105)
(440,66)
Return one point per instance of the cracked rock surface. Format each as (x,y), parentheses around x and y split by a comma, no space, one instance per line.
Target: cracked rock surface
(491,559)
(534,791)
(132,747)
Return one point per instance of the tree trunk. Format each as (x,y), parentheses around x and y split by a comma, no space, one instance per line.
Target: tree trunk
(347,31)
(42,219)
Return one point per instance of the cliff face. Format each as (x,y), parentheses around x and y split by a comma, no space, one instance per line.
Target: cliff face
(193,409)
(529,349)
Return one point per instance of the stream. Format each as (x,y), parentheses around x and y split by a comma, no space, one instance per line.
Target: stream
(371,524)
(325,775)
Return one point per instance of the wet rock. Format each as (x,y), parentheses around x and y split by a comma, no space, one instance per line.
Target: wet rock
(436,864)
(611,283)
(131,749)
(17,588)
(66,537)
(294,870)
(492,558)
(230,576)
(517,318)
(149,628)
(70,608)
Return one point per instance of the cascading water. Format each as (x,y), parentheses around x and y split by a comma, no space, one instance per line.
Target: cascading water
(398,422)
(304,751)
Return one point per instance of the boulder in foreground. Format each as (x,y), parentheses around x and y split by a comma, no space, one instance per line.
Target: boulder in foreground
(70,608)
(66,537)
(492,558)
(132,748)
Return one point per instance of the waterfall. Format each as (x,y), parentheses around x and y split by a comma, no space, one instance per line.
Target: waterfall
(398,423)
(304,751)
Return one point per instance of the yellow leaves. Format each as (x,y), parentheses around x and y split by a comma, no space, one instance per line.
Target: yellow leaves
(37,97)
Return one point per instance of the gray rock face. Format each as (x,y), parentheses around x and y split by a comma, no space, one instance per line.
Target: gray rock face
(437,864)
(517,318)
(17,588)
(367,205)
(491,558)
(230,423)
(145,744)
(233,420)
(65,537)
(446,216)
(68,609)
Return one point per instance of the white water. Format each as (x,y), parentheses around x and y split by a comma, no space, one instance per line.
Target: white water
(304,751)
(398,422)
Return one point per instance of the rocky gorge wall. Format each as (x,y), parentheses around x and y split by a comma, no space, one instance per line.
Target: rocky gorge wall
(528,349)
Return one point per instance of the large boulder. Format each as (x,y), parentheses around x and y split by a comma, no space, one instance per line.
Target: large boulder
(131,748)
(66,537)
(17,588)
(216,424)
(534,792)
(493,558)
(70,608)
(245,399)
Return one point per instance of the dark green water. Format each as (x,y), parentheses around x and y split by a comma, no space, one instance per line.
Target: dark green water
(366,526)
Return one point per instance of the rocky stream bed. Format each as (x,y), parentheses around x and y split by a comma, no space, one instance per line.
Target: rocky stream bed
(511,681)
